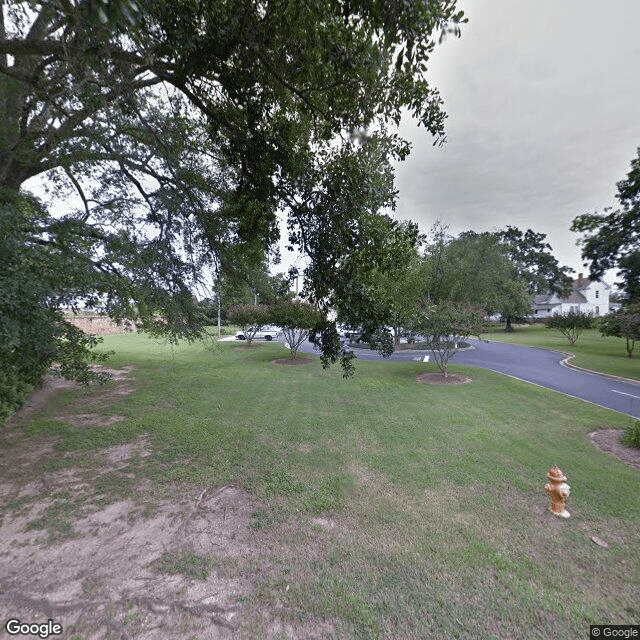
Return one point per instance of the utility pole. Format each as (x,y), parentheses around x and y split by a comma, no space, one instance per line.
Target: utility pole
(218,296)
(219,334)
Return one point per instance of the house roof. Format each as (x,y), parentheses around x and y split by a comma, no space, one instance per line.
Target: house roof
(575,297)
(581,283)
(550,300)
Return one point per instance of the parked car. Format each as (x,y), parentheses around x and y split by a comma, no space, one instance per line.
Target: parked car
(347,332)
(263,333)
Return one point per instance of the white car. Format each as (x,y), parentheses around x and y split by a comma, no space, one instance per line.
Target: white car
(263,333)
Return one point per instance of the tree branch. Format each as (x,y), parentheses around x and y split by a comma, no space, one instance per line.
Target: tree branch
(76,184)
(47,47)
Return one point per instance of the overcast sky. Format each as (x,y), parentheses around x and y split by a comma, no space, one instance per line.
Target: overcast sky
(543,99)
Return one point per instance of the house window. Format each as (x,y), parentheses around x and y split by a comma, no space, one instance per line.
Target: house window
(597,293)
(597,309)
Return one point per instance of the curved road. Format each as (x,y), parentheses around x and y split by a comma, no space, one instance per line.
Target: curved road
(538,366)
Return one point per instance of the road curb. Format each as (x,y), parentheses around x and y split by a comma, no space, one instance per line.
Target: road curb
(565,362)
(575,367)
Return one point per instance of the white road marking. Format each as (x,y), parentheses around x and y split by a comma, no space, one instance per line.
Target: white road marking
(564,393)
(622,393)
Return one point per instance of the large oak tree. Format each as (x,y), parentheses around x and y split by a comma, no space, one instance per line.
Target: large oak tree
(612,239)
(182,127)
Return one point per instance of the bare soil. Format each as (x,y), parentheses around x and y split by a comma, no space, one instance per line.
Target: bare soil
(90,562)
(102,583)
(609,440)
(438,378)
(291,361)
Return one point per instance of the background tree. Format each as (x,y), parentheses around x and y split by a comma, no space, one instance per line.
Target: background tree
(447,324)
(475,269)
(625,323)
(180,129)
(296,319)
(408,295)
(380,245)
(535,264)
(249,318)
(485,276)
(397,287)
(252,285)
(571,324)
(612,239)
(437,269)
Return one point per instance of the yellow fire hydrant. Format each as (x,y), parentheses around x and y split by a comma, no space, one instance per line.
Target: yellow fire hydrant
(559,491)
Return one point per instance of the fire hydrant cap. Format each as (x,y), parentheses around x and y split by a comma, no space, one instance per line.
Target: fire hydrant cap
(555,474)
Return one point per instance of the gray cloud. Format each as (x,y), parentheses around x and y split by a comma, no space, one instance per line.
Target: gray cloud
(544,118)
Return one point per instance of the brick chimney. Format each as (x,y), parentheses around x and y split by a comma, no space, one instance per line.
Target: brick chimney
(580,280)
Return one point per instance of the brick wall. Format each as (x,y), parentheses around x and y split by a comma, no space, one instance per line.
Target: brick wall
(99,325)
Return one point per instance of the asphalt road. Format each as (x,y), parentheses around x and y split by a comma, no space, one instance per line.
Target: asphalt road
(538,366)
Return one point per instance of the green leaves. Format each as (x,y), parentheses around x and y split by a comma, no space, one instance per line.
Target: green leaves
(625,323)
(534,262)
(612,239)
(446,325)
(476,269)
(249,317)
(571,324)
(182,127)
(35,275)
(297,319)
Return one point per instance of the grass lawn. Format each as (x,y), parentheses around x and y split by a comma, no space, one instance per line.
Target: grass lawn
(382,508)
(592,350)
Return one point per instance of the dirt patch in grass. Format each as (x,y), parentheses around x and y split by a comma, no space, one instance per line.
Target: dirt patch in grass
(104,576)
(100,396)
(89,419)
(124,373)
(291,361)
(39,398)
(87,540)
(121,453)
(609,440)
(438,378)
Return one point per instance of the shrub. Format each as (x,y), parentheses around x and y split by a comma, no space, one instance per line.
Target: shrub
(571,324)
(631,436)
(249,317)
(297,319)
(625,323)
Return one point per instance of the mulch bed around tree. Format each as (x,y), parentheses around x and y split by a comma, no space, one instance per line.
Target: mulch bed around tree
(291,361)
(609,440)
(438,378)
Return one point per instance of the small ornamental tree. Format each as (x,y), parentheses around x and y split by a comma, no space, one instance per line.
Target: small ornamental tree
(296,319)
(249,317)
(625,323)
(447,324)
(571,324)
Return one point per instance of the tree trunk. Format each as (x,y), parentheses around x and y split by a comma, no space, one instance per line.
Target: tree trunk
(508,327)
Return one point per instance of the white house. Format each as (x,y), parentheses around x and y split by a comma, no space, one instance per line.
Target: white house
(586,295)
